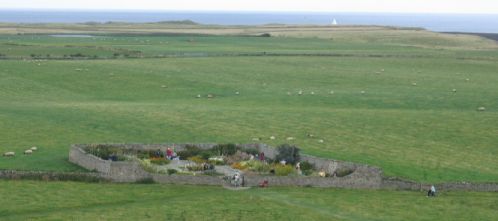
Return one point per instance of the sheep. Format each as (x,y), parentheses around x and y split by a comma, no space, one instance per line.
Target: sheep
(481,109)
(288,93)
(210,96)
(300,92)
(467,79)
(362,92)
(454,90)
(290,138)
(163,86)
(331,92)
(237,93)
(256,139)
(310,135)
(320,141)
(272,138)
(9,154)
(198,96)
(34,148)
(414,84)
(28,152)
(312,93)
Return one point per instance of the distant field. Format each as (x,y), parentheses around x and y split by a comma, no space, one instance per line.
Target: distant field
(424,132)
(23,200)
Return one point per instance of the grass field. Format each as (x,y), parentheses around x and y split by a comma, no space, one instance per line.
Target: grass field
(23,200)
(425,132)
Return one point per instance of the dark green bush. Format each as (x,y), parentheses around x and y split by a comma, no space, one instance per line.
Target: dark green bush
(342,172)
(307,168)
(172,171)
(189,151)
(159,161)
(148,180)
(287,152)
(225,149)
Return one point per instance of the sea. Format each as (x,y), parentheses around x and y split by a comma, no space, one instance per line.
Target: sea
(472,23)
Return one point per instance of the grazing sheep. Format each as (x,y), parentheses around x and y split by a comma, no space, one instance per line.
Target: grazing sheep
(300,92)
(288,93)
(320,141)
(362,92)
(34,148)
(290,138)
(237,93)
(481,109)
(454,90)
(198,96)
(331,92)
(322,173)
(28,152)
(467,79)
(272,138)
(382,70)
(163,86)
(414,84)
(210,96)
(9,154)
(256,139)
(310,135)
(312,93)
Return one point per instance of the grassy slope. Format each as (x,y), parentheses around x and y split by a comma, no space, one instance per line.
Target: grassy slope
(424,132)
(22,200)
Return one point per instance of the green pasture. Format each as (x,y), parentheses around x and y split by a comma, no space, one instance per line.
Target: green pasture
(27,200)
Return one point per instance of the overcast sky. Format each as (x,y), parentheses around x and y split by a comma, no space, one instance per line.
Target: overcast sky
(432,6)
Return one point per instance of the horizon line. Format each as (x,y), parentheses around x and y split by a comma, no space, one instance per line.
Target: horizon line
(234,11)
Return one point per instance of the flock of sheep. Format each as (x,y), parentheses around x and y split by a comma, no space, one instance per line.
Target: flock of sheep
(26,152)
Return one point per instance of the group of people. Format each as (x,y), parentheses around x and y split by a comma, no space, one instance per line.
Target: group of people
(170,154)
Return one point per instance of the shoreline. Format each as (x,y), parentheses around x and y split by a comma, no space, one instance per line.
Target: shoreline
(492,36)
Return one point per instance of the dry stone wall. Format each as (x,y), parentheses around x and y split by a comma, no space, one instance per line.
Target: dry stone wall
(363,176)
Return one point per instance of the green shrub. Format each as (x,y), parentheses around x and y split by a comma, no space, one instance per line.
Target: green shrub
(225,149)
(258,166)
(287,152)
(189,151)
(159,161)
(172,171)
(148,180)
(196,159)
(344,171)
(306,168)
(283,170)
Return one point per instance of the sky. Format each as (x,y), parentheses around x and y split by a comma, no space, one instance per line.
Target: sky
(403,6)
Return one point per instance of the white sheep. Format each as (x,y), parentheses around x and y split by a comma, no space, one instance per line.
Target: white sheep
(300,92)
(34,148)
(272,138)
(331,92)
(163,86)
(290,138)
(255,139)
(454,90)
(198,96)
(237,93)
(362,92)
(28,152)
(481,109)
(312,93)
(414,84)
(9,154)
(320,141)
(467,79)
